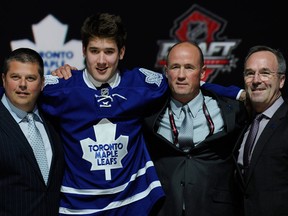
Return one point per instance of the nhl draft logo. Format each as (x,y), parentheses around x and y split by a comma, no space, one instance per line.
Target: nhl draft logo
(204,28)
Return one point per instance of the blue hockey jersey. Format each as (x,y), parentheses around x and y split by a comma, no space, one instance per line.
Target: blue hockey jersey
(109,170)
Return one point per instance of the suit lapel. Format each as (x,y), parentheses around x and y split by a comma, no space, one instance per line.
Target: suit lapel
(268,131)
(228,118)
(10,126)
(236,153)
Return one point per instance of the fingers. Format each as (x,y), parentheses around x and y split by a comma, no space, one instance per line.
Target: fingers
(243,96)
(57,72)
(63,71)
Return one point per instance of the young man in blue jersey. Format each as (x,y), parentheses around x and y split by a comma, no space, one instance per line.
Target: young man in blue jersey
(109,170)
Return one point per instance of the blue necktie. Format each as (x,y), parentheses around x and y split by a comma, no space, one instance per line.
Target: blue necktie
(38,146)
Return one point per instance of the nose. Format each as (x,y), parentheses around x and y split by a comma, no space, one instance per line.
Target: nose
(182,72)
(22,83)
(257,78)
(102,58)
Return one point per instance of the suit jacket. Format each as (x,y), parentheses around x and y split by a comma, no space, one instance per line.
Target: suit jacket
(265,188)
(203,177)
(22,189)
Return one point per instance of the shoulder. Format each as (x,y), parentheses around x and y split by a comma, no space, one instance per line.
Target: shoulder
(145,76)
(231,91)
(51,80)
(225,103)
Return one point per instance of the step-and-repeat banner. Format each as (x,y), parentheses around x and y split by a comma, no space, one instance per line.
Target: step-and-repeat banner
(224,30)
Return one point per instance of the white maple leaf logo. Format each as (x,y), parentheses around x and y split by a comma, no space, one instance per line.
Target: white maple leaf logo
(107,152)
(49,35)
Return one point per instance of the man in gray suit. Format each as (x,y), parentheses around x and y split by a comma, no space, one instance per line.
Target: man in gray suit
(23,190)
(262,169)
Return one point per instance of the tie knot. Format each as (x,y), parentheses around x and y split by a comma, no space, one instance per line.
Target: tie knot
(104,85)
(185,108)
(259,117)
(30,116)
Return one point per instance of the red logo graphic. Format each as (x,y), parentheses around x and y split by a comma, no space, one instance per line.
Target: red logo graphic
(203,27)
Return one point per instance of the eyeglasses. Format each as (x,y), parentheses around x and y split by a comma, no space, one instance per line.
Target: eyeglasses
(264,75)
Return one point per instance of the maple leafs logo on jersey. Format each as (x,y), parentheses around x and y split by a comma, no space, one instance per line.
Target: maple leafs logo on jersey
(106,152)
(152,77)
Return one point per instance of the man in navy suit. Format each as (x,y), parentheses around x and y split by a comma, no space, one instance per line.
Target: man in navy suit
(262,170)
(23,190)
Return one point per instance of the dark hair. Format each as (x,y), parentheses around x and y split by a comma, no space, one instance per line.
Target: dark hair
(280,58)
(24,55)
(104,25)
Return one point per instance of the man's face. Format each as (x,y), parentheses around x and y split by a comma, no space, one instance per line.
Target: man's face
(184,72)
(102,57)
(23,84)
(262,81)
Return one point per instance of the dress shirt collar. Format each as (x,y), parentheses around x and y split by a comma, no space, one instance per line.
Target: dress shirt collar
(194,105)
(273,108)
(17,113)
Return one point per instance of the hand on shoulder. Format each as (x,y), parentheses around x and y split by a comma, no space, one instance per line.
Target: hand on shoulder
(64,71)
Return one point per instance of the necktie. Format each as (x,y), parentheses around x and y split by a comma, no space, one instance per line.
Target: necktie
(250,140)
(185,134)
(38,146)
(103,85)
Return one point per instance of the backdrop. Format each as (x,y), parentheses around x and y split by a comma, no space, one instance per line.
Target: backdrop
(224,29)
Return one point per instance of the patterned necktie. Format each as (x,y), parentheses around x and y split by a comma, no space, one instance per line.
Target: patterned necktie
(250,140)
(186,131)
(38,146)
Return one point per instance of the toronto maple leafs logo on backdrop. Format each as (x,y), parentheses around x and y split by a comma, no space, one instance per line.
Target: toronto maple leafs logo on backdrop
(49,36)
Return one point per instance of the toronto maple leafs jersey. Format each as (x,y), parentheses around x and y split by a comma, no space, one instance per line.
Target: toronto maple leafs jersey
(109,170)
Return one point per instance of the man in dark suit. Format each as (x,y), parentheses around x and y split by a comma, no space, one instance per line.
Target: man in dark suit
(262,169)
(23,190)
(197,180)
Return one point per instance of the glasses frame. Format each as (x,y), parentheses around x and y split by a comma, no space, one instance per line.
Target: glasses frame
(264,75)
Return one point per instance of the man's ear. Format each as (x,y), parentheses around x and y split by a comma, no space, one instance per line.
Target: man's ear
(3,79)
(165,70)
(122,52)
(203,71)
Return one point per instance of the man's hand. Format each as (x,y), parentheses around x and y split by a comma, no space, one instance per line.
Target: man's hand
(243,96)
(64,71)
